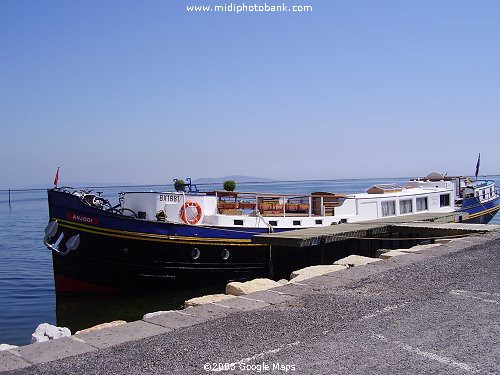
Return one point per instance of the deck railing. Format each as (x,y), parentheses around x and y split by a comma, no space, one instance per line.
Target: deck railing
(239,203)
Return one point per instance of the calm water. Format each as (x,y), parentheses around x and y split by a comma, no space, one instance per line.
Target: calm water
(27,295)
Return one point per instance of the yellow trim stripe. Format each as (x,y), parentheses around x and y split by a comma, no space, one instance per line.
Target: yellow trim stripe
(482,213)
(155,237)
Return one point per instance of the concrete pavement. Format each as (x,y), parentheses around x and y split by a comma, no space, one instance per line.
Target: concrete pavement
(433,311)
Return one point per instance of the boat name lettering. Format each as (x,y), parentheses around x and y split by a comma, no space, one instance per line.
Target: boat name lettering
(170,198)
(82,219)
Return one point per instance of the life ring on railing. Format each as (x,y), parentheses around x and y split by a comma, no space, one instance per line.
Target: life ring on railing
(199,212)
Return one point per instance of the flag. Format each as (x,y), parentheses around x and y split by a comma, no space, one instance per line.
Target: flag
(56,178)
(477,165)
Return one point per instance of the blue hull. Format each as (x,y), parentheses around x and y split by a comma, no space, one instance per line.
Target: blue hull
(480,213)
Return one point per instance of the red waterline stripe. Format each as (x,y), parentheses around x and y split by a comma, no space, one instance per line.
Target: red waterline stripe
(67,285)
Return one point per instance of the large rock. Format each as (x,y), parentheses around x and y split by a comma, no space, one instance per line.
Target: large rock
(313,271)
(379,252)
(420,247)
(206,299)
(392,254)
(239,289)
(46,332)
(355,260)
(7,347)
(413,249)
(156,313)
(114,323)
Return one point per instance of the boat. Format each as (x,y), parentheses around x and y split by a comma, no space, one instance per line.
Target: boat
(150,239)
(478,198)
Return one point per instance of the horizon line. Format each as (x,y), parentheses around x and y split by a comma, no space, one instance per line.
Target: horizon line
(91,186)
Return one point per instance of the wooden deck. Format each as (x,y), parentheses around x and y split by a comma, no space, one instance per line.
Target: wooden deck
(436,224)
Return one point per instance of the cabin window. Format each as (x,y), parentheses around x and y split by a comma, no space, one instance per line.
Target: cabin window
(422,204)
(296,222)
(389,208)
(444,200)
(405,206)
(319,222)
(274,223)
(238,222)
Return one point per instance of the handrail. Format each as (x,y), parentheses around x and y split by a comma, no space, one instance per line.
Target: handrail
(221,193)
(269,226)
(481,183)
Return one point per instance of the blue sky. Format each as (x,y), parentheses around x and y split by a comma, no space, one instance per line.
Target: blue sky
(144,91)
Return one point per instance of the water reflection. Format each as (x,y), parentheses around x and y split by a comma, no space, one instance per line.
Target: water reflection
(80,312)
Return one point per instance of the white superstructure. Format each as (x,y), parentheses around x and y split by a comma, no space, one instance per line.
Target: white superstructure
(483,190)
(261,210)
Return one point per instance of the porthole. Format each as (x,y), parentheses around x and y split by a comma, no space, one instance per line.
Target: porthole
(195,253)
(225,254)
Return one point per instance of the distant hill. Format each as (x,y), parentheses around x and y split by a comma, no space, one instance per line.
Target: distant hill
(236,178)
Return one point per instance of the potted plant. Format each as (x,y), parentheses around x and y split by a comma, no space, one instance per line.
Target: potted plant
(179,185)
(229,185)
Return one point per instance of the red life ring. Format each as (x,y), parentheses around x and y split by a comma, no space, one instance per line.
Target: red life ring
(198,212)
